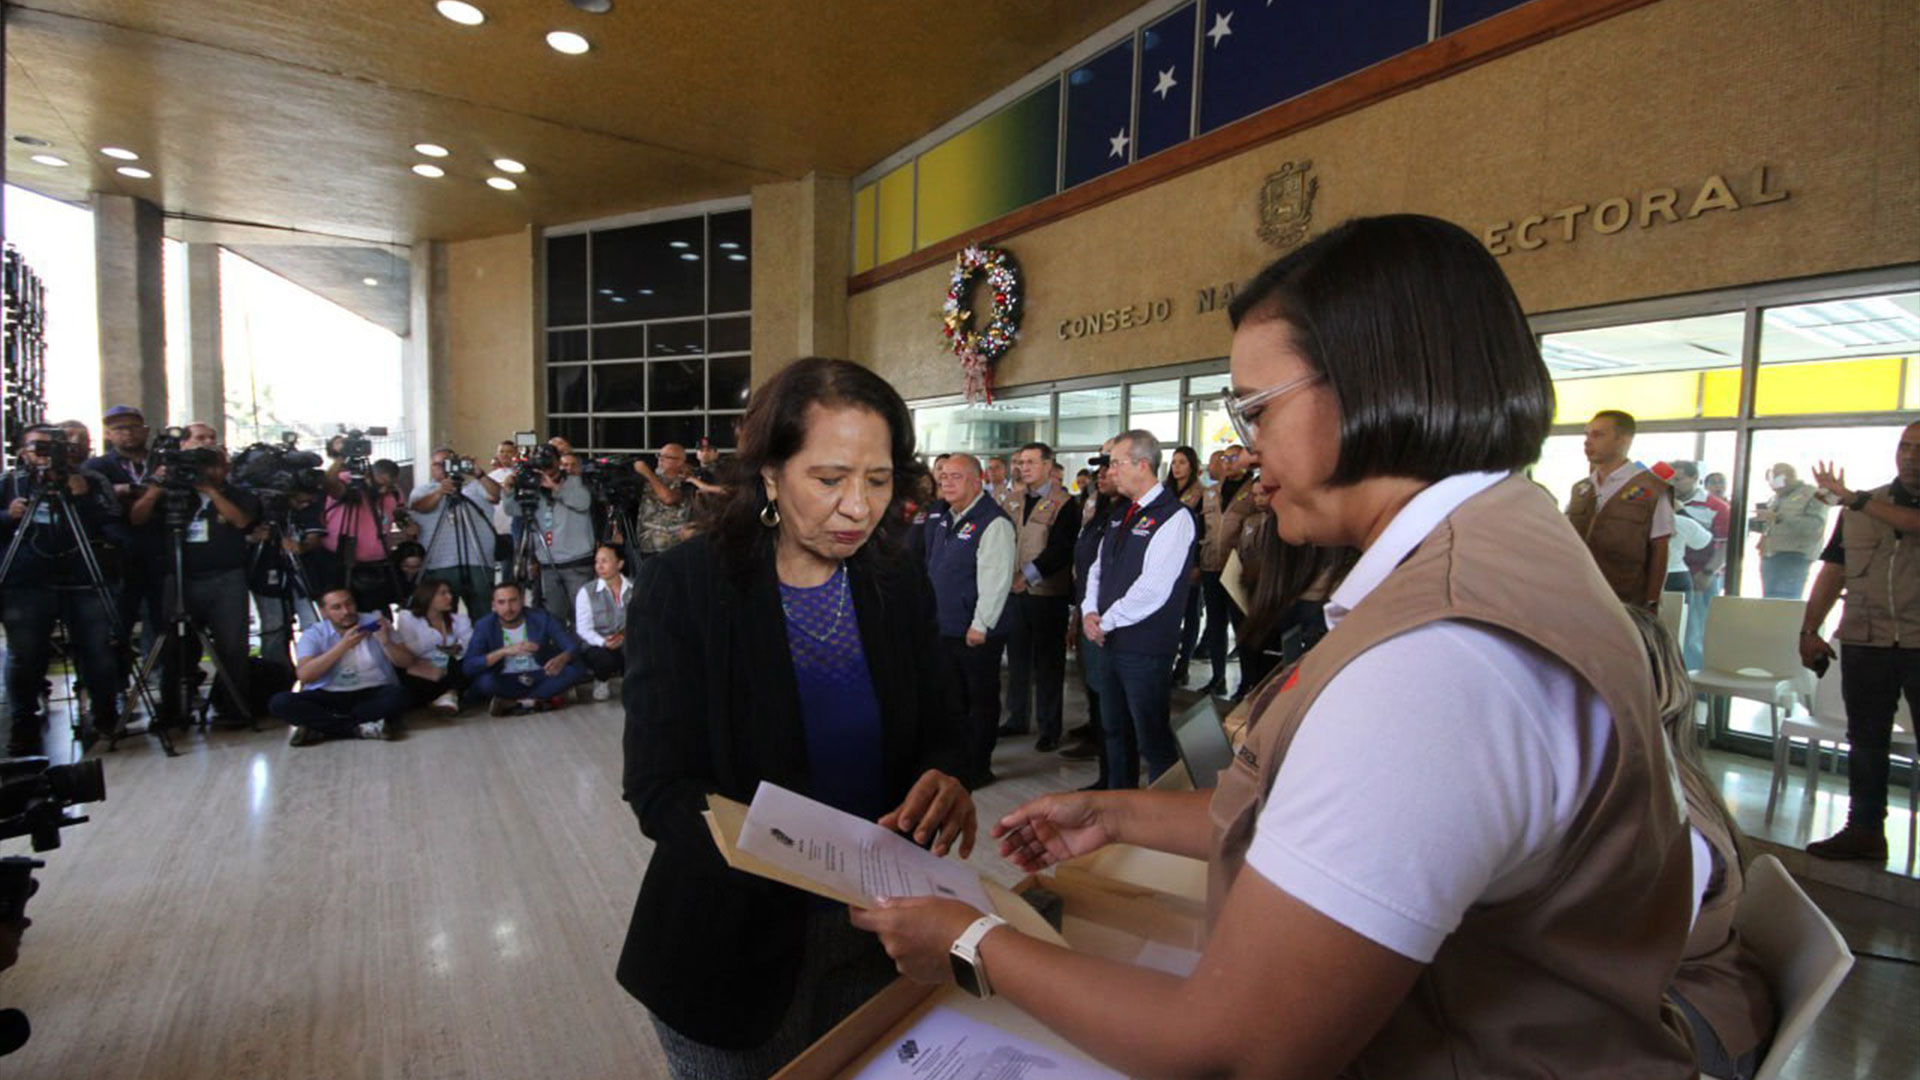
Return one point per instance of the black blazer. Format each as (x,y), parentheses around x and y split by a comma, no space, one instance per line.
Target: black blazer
(712,706)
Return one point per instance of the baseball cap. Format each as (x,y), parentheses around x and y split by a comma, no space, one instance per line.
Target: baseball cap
(119,411)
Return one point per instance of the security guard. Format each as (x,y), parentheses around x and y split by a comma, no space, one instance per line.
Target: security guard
(1622,512)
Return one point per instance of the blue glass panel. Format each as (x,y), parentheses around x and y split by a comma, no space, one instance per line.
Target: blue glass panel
(1259,54)
(1455,14)
(1100,114)
(1166,83)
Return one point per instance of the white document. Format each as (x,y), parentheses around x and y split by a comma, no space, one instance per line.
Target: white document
(1171,959)
(852,856)
(945,1045)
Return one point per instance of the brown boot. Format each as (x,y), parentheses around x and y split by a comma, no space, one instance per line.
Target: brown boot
(1852,842)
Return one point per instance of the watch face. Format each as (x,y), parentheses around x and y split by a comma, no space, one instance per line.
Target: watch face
(965,975)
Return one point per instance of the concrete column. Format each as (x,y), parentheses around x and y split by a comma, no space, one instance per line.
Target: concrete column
(802,255)
(206,356)
(131,306)
(424,368)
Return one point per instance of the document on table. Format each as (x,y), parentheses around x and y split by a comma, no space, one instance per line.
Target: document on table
(946,1045)
(851,856)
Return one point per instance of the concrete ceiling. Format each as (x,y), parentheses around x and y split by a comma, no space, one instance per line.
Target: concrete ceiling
(258,117)
(370,282)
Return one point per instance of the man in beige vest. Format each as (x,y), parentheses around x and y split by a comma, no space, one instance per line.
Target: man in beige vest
(1872,559)
(1045,523)
(1791,526)
(1622,512)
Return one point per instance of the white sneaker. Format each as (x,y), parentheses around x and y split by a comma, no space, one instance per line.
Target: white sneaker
(373,729)
(446,704)
(601,691)
(300,736)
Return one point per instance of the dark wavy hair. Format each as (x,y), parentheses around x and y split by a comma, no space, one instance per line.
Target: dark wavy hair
(1422,341)
(1193,471)
(774,430)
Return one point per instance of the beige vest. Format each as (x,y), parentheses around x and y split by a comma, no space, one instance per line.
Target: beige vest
(1566,979)
(1030,537)
(1883,582)
(1618,533)
(1224,521)
(1718,974)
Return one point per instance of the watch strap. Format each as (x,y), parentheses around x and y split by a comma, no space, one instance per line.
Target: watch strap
(966,950)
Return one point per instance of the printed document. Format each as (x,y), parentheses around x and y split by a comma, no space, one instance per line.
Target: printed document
(946,1045)
(849,855)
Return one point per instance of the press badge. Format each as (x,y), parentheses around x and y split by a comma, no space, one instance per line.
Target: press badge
(43,514)
(197,532)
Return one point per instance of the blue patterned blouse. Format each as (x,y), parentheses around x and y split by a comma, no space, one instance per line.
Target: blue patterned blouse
(838,705)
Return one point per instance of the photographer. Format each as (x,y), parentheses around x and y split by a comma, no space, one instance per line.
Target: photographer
(349,677)
(500,470)
(363,506)
(274,549)
(125,465)
(213,559)
(456,527)
(48,580)
(666,502)
(563,515)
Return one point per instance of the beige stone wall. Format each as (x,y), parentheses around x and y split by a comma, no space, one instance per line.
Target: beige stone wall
(1826,95)
(492,316)
(801,259)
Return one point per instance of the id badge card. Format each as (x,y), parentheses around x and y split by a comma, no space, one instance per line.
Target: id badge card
(439,659)
(197,531)
(43,514)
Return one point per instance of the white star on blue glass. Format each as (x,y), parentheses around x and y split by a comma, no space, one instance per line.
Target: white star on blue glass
(1165,84)
(1222,27)
(1118,144)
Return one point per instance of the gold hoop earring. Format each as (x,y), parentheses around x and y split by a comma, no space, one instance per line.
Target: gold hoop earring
(770,514)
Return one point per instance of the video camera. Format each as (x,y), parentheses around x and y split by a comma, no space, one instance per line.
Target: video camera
(460,469)
(275,471)
(527,473)
(354,448)
(34,797)
(59,459)
(612,480)
(186,468)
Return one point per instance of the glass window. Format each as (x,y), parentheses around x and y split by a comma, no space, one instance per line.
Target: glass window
(1165,93)
(685,430)
(677,385)
(567,280)
(1089,417)
(721,430)
(619,388)
(729,281)
(1155,407)
(571,428)
(619,342)
(567,388)
(565,345)
(677,338)
(649,271)
(1100,114)
(1675,369)
(1838,356)
(730,335)
(1258,55)
(1776,547)
(620,434)
(728,381)
(1563,459)
(997,428)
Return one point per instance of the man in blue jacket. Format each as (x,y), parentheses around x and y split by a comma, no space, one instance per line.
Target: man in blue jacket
(521,657)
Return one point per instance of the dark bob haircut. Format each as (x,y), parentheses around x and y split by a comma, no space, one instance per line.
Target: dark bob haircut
(774,430)
(1422,342)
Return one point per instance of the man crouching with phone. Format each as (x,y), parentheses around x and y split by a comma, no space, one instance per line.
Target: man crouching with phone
(347,665)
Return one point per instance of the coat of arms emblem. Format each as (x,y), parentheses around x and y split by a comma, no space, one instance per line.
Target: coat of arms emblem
(1286,204)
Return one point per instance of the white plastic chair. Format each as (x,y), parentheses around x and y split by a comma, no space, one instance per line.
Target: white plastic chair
(1804,957)
(1673,612)
(1827,723)
(1753,652)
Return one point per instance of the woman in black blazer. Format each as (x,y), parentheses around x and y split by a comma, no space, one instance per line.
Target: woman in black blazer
(793,645)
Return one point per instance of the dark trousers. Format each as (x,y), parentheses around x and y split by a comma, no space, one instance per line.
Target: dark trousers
(1190,625)
(1221,613)
(1036,661)
(973,675)
(1135,711)
(143,599)
(1872,680)
(604,662)
(537,685)
(1093,673)
(29,613)
(422,691)
(218,600)
(338,714)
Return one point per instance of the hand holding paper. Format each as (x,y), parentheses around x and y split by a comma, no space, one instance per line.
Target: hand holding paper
(855,859)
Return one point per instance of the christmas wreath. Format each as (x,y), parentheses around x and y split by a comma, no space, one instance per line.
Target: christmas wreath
(979,349)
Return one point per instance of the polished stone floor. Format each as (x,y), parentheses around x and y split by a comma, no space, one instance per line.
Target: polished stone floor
(450,905)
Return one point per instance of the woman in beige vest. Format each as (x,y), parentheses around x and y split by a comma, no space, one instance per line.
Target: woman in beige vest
(1448,844)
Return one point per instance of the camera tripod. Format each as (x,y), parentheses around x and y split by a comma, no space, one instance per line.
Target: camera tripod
(54,503)
(169,651)
(287,575)
(527,564)
(470,550)
(356,498)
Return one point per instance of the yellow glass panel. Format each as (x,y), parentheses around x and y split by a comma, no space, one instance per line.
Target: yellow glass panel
(1829,386)
(1911,399)
(863,226)
(896,214)
(1656,395)
(1720,392)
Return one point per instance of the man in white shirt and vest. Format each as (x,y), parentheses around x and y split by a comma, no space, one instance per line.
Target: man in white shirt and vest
(1046,522)
(969,550)
(1872,558)
(1136,596)
(1622,512)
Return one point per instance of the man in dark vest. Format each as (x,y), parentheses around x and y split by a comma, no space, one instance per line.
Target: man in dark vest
(1871,557)
(1046,523)
(1622,512)
(970,547)
(1136,596)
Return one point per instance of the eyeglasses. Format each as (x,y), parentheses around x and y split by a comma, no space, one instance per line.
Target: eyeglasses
(1245,412)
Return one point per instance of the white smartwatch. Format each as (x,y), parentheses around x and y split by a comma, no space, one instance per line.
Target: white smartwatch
(969,970)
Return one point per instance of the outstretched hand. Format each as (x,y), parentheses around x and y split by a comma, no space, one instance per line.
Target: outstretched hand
(1054,828)
(939,810)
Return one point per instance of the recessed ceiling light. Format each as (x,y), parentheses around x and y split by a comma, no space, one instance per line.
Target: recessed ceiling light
(431,172)
(507,164)
(119,154)
(430,149)
(31,140)
(595,7)
(737,257)
(678,245)
(729,245)
(689,256)
(461,12)
(501,183)
(566,41)
(49,159)
(136,173)
(619,299)
(369,281)
(646,292)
